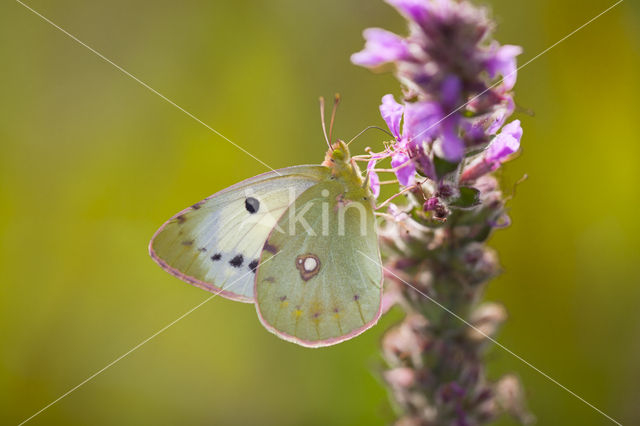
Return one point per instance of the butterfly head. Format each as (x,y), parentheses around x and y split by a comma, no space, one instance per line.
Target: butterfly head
(339,160)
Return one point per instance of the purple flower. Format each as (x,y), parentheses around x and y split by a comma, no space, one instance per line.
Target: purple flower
(405,169)
(413,10)
(450,144)
(419,125)
(374,179)
(505,144)
(450,92)
(381,47)
(397,213)
(445,60)
(502,60)
(502,112)
(479,130)
(391,112)
(498,151)
(422,159)
(421,121)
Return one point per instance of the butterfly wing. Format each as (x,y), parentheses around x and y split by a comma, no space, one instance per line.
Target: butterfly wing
(216,243)
(314,285)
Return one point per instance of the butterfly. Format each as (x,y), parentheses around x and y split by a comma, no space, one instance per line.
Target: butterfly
(300,243)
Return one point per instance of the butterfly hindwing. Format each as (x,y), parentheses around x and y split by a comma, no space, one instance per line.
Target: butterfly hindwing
(319,280)
(216,243)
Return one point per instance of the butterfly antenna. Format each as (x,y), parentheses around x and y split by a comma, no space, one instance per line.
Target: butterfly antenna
(369,128)
(336,102)
(324,126)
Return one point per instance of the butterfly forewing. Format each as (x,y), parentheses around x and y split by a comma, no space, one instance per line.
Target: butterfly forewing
(216,243)
(315,285)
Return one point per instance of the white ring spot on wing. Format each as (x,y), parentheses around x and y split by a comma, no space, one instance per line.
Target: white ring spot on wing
(310,264)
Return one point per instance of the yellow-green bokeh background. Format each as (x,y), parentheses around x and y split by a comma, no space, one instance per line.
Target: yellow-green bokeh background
(91,163)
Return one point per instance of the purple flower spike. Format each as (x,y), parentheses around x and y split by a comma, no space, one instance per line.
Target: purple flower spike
(381,47)
(505,144)
(503,61)
(449,134)
(392,112)
(406,173)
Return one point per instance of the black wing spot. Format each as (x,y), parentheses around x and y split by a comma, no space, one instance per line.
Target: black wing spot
(283,298)
(356,297)
(252,205)
(236,262)
(181,219)
(216,256)
(202,249)
(253,265)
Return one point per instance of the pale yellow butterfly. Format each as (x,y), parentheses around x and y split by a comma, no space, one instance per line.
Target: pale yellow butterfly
(299,242)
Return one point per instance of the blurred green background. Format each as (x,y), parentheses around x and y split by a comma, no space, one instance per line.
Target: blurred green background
(91,164)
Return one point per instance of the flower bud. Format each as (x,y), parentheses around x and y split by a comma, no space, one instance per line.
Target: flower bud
(409,421)
(406,342)
(401,377)
(480,262)
(486,319)
(498,151)
(510,396)
(440,211)
(391,296)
